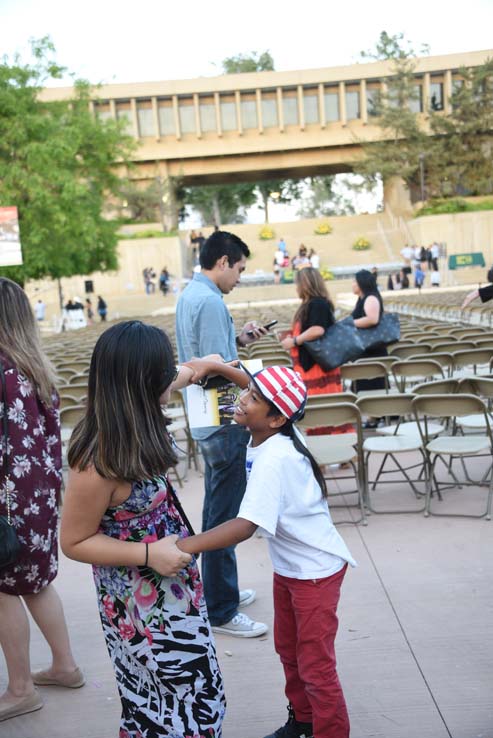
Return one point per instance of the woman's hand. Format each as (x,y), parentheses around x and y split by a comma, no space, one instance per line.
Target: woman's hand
(166,558)
(469,298)
(287,343)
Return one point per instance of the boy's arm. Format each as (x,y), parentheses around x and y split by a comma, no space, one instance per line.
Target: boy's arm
(205,368)
(227,534)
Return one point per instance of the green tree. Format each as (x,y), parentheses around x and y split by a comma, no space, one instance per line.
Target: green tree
(463,150)
(219,204)
(277,190)
(141,202)
(57,166)
(404,143)
(252,62)
(327,196)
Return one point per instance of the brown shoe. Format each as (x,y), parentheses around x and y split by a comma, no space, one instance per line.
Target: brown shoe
(71,679)
(28,704)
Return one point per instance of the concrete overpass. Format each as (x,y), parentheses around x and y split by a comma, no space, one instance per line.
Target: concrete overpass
(263,125)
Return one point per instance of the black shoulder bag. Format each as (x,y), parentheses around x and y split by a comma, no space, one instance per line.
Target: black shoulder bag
(10,547)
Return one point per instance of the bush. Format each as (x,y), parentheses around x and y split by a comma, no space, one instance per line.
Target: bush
(266,233)
(361,244)
(453,205)
(326,274)
(147,234)
(323,229)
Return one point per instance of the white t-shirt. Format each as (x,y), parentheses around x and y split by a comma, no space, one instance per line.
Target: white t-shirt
(435,250)
(315,261)
(279,257)
(407,253)
(435,278)
(284,499)
(40,310)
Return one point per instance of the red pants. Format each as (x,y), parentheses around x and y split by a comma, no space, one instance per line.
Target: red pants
(305,627)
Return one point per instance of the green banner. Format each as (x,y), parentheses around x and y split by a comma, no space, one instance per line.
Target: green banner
(456,261)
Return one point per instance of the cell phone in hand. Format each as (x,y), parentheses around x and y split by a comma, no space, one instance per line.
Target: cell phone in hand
(267,327)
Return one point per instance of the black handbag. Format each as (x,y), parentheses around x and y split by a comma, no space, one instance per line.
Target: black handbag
(343,342)
(10,546)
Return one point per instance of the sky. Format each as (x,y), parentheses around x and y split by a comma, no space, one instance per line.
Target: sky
(106,41)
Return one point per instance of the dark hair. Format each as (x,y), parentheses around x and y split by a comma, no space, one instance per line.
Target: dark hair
(222,243)
(289,430)
(489,275)
(123,433)
(366,282)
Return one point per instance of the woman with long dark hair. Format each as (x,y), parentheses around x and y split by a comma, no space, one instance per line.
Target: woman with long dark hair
(122,516)
(29,399)
(366,314)
(314,315)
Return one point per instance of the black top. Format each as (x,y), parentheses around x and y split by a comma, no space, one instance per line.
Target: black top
(359,309)
(319,313)
(486,293)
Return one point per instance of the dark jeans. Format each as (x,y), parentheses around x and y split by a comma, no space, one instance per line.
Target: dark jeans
(225,481)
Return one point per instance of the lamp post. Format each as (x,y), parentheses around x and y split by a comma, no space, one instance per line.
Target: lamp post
(422,176)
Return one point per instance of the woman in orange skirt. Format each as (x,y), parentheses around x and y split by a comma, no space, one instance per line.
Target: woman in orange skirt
(315,314)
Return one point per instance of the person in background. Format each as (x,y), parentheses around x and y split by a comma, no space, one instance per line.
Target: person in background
(164,280)
(301,260)
(423,258)
(314,315)
(407,254)
(40,310)
(102,309)
(282,245)
(192,239)
(435,278)
(200,242)
(278,265)
(204,326)
(435,255)
(89,311)
(314,259)
(390,282)
(366,314)
(403,280)
(484,293)
(35,451)
(419,277)
(374,271)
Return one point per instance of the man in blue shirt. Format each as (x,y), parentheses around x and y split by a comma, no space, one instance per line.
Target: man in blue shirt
(204,326)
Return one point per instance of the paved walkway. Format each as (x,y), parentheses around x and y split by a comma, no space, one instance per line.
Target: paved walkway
(415,643)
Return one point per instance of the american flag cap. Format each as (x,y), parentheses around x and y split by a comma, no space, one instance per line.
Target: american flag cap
(282,386)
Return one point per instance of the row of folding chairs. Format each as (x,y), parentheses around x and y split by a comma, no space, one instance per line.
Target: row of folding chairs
(441,430)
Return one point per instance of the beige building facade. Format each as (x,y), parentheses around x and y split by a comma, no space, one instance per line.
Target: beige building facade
(263,125)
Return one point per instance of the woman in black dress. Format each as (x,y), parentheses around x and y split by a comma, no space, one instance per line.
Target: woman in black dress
(366,314)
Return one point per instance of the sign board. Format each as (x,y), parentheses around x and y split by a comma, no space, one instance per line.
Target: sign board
(475,258)
(10,244)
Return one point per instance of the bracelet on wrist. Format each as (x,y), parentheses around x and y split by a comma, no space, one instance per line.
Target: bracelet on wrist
(146,562)
(295,341)
(238,342)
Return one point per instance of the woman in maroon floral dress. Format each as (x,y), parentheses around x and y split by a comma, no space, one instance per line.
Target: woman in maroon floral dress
(34,487)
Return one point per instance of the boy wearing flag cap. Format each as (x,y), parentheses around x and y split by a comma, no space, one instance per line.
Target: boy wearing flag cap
(286,497)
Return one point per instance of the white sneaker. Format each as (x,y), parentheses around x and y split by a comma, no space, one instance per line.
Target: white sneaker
(247,596)
(241,626)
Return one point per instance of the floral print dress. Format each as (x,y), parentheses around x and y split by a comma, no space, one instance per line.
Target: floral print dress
(35,456)
(157,629)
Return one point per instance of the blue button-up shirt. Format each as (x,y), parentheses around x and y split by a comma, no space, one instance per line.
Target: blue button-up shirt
(204,326)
